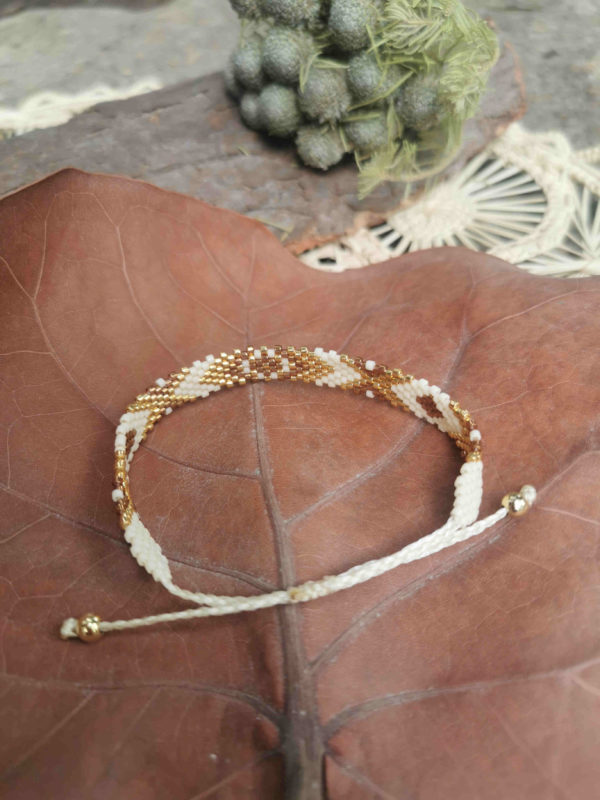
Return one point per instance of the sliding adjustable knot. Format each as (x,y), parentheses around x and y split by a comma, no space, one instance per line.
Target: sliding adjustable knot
(519,503)
(322,368)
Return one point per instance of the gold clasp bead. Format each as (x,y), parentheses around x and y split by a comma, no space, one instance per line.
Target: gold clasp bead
(88,628)
(519,503)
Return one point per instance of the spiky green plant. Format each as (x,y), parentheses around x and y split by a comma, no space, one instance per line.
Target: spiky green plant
(390,81)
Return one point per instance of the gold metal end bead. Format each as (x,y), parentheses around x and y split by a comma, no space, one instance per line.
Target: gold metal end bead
(519,503)
(88,628)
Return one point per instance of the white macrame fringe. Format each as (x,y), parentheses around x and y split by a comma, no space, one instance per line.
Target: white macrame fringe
(48,109)
(529,199)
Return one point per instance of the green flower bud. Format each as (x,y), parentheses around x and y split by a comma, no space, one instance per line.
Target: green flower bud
(368,82)
(325,96)
(279,110)
(250,111)
(293,12)
(247,63)
(419,104)
(246,8)
(319,147)
(364,76)
(367,134)
(231,83)
(349,23)
(284,52)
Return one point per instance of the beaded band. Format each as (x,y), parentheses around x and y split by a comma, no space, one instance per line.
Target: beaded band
(323,368)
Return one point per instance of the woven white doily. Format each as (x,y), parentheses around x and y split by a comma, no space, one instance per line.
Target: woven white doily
(529,198)
(47,109)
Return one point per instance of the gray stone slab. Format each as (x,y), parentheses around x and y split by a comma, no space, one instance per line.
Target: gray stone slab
(190,138)
(558,44)
(8,7)
(72,49)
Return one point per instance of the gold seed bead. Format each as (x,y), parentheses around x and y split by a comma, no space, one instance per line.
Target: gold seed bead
(88,628)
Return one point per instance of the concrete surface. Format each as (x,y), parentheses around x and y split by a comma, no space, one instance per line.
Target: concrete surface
(70,49)
(558,43)
(8,7)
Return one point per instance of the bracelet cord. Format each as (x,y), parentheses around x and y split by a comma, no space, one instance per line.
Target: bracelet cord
(323,368)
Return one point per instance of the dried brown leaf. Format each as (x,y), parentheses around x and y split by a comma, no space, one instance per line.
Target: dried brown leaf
(474,673)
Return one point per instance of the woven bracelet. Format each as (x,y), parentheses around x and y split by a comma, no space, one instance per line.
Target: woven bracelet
(323,368)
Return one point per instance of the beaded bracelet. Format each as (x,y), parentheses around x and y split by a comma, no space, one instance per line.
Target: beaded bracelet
(323,368)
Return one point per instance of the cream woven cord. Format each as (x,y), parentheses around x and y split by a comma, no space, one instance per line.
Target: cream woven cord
(444,537)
